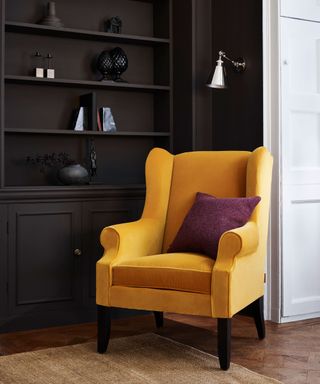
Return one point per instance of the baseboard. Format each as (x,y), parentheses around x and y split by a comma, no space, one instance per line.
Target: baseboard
(58,318)
(308,316)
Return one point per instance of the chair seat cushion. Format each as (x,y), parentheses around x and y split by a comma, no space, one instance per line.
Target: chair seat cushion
(187,272)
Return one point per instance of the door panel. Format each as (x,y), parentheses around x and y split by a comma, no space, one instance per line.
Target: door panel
(301,255)
(44,257)
(96,216)
(306,9)
(300,87)
(43,267)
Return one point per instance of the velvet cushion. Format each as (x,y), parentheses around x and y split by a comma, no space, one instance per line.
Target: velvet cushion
(208,219)
(186,272)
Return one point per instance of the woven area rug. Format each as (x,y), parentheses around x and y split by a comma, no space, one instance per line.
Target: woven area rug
(140,359)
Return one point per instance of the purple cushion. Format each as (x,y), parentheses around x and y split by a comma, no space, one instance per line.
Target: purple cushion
(208,219)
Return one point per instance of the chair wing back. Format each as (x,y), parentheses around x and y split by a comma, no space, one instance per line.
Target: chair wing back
(221,174)
(158,171)
(259,175)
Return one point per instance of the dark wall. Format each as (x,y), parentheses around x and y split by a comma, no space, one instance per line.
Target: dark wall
(183,74)
(238,111)
(192,61)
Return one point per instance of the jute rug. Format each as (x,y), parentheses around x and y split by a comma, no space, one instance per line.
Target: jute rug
(145,359)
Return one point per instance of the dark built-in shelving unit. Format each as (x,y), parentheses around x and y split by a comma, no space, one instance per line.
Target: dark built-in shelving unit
(142,106)
(42,223)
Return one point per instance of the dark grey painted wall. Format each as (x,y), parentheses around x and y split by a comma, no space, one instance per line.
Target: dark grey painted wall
(192,58)
(238,111)
(206,118)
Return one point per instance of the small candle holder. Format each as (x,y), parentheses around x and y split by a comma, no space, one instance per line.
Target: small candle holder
(50,70)
(38,68)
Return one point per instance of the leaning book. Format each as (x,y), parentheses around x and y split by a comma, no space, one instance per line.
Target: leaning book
(80,120)
(107,120)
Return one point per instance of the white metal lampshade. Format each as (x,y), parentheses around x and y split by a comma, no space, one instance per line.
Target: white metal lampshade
(217,79)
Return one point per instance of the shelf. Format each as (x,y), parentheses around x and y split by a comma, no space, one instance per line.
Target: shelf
(71,192)
(13,79)
(85,133)
(11,26)
(73,187)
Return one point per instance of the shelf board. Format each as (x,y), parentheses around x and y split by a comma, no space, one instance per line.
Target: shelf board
(11,26)
(85,133)
(70,192)
(86,83)
(96,187)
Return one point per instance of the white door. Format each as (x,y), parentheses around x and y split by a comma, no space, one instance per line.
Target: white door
(301,9)
(300,141)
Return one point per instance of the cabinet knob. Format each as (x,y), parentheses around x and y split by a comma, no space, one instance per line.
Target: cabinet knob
(77,252)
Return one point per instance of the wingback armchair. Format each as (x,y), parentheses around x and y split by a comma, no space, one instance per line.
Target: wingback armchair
(136,271)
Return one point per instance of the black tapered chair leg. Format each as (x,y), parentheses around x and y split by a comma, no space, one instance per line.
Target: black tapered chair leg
(158,318)
(224,343)
(258,315)
(255,310)
(104,325)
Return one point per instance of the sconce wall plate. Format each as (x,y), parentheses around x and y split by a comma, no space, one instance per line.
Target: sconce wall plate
(239,65)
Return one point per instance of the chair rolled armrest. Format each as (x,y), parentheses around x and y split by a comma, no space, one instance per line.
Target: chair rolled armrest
(138,238)
(123,241)
(237,265)
(237,242)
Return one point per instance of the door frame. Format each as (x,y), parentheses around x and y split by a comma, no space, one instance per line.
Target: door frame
(272,140)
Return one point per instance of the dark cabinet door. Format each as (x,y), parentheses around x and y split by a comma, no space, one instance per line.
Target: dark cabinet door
(48,257)
(96,216)
(44,266)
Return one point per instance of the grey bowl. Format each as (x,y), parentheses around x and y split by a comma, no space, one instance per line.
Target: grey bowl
(74,174)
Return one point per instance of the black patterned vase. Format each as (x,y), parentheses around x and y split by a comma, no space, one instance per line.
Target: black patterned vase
(120,63)
(105,65)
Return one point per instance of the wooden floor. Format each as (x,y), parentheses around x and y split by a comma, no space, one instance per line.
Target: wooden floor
(290,352)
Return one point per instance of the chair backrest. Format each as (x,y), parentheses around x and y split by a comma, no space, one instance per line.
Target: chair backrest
(221,174)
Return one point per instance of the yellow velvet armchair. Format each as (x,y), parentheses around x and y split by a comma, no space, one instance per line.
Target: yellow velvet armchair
(136,272)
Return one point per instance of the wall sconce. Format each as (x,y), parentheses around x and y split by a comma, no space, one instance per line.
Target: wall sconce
(217,78)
